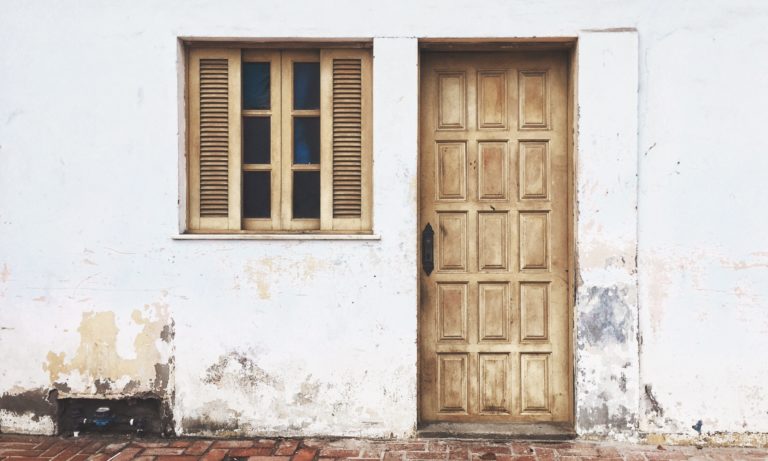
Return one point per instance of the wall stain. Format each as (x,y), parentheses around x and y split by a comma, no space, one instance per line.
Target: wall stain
(260,273)
(97,359)
(102,386)
(308,392)
(168,332)
(655,407)
(5,274)
(38,402)
(240,368)
(215,418)
(620,419)
(609,319)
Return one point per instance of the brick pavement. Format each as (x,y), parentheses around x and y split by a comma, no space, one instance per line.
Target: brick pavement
(117,448)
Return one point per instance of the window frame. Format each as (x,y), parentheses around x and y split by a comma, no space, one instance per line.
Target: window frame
(281,113)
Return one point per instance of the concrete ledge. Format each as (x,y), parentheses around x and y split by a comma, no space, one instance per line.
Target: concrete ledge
(499,431)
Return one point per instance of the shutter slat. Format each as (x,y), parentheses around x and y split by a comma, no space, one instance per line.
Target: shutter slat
(347,138)
(214,138)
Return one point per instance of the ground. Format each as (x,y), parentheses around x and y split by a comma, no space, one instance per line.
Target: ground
(117,448)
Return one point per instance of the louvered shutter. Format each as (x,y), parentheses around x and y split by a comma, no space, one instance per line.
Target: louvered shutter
(214,139)
(346,138)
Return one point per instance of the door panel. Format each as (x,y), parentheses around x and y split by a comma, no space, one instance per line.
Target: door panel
(494,341)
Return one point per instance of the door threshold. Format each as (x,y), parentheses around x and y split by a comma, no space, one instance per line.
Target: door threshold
(499,431)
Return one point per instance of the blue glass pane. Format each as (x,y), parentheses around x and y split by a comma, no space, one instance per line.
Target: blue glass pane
(306,194)
(306,85)
(256,194)
(306,140)
(255,85)
(256,140)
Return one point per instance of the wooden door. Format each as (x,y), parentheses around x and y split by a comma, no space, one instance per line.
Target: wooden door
(494,317)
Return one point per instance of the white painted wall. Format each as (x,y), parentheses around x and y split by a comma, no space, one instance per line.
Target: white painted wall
(318,337)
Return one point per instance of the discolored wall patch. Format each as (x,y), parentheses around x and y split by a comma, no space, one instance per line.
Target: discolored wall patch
(97,366)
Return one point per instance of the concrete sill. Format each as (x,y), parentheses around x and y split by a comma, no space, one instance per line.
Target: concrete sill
(276,237)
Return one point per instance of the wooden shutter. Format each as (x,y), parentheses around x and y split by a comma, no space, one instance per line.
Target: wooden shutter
(214,139)
(346,158)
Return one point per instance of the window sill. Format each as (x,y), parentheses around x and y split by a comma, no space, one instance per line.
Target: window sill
(276,237)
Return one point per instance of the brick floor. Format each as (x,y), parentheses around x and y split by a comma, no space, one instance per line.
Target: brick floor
(116,448)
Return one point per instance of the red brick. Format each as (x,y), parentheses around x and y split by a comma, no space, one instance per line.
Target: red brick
(265,443)
(664,455)
(163,452)
(21,438)
(80,457)
(92,448)
(180,443)
(269,458)
(54,449)
(22,458)
(338,453)
(214,455)
(25,453)
(408,446)
(305,454)
(113,447)
(233,444)
(287,447)
(393,456)
(20,446)
(176,458)
(578,451)
(247,452)
(126,454)
(66,454)
(144,458)
(425,455)
(99,457)
(629,456)
(458,453)
(198,448)
(495,449)
(143,444)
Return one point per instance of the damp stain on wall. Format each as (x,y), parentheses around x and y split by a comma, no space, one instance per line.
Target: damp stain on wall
(98,362)
(35,403)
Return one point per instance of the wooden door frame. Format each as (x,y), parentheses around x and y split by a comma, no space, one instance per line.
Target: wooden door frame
(459,45)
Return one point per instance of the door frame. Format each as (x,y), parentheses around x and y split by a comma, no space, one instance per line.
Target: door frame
(458,45)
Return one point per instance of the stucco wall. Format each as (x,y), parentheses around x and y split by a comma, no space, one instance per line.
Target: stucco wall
(319,337)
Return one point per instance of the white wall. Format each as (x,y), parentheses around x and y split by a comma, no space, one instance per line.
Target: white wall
(311,337)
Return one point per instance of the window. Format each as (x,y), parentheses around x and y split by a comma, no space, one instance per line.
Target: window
(279,140)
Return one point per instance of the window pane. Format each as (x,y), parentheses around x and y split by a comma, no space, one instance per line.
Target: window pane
(306,140)
(256,140)
(256,194)
(306,194)
(306,85)
(255,85)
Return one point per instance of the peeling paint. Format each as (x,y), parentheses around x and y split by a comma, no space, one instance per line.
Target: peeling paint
(97,359)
